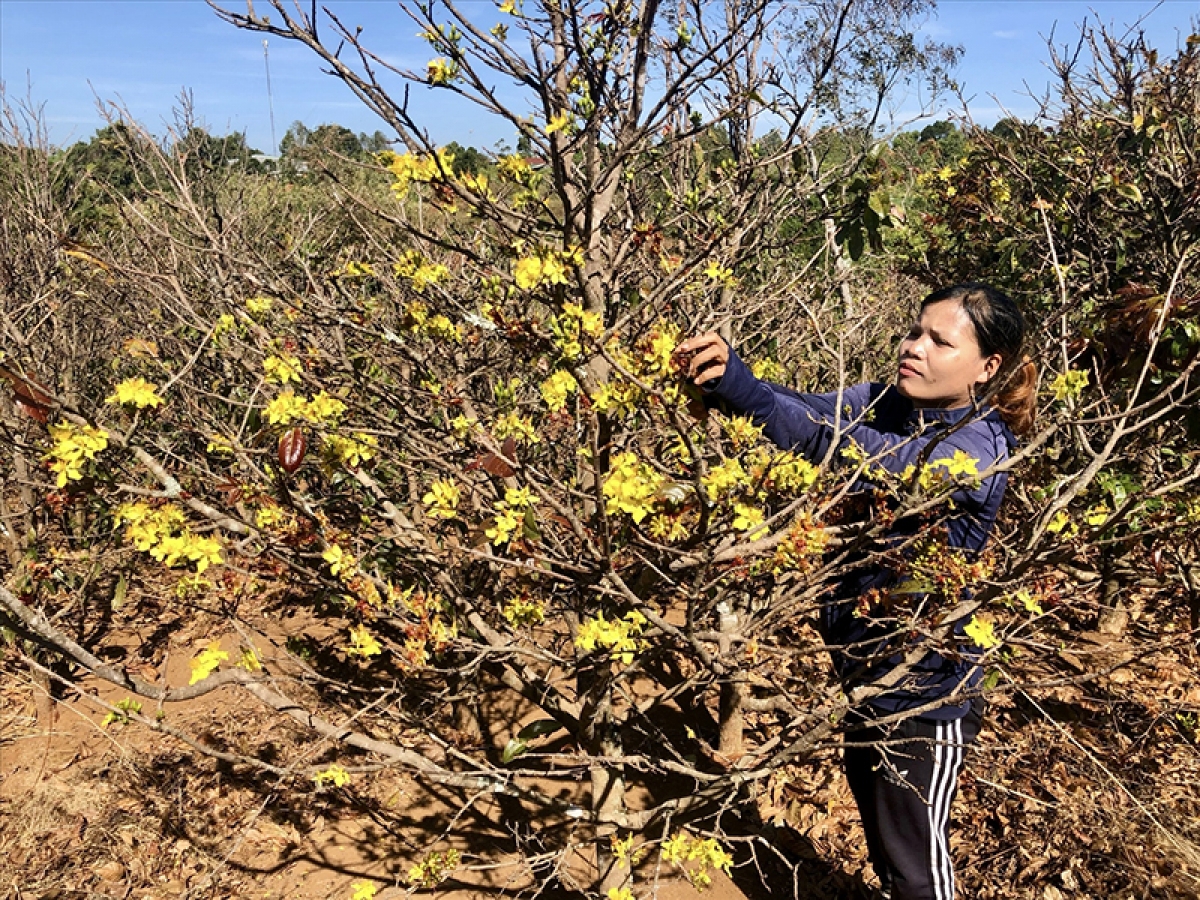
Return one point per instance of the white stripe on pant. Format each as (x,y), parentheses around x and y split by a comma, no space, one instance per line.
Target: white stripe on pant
(904,780)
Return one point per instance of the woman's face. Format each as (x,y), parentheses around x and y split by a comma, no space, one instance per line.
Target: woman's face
(940,360)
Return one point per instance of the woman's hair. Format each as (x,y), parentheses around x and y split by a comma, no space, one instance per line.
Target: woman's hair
(999,329)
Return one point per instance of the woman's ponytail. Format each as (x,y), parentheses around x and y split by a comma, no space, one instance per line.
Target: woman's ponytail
(1016,398)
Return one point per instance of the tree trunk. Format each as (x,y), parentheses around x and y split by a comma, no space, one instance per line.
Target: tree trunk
(730,742)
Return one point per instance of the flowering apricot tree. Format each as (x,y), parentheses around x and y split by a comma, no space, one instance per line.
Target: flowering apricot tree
(441,410)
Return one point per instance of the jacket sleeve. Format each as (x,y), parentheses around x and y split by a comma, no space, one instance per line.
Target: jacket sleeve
(805,423)
(808,423)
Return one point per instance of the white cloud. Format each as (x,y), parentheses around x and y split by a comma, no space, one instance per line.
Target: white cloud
(1006,35)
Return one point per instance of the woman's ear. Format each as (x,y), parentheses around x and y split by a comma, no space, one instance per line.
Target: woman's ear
(991,366)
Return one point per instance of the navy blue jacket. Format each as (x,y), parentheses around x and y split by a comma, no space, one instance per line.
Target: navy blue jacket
(890,433)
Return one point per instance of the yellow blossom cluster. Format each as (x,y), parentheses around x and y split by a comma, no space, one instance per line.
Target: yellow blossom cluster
(514,425)
(441,70)
(1069,385)
(342,563)
(546,266)
(433,630)
(163,533)
(258,306)
(335,775)
(289,406)
(433,869)
(783,472)
(136,392)
(515,167)
(767,369)
(418,320)
(943,473)
(558,388)
(631,487)
(422,168)
(362,643)
(726,478)
(618,636)
(510,514)
(704,855)
(73,446)
(742,432)
(420,272)
(442,499)
(571,326)
(282,369)
(801,548)
(524,610)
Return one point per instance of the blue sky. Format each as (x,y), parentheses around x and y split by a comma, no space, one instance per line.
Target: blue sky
(64,55)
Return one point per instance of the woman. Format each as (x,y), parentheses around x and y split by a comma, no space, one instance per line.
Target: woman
(962,390)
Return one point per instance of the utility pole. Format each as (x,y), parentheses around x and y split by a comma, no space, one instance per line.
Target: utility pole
(270,100)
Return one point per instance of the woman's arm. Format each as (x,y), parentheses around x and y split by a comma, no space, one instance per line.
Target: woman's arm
(865,415)
(805,423)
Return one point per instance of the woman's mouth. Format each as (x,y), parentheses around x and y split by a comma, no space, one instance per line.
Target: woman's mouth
(906,371)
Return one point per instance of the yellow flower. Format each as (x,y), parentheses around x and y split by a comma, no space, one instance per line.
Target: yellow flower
(282,369)
(442,499)
(528,273)
(259,305)
(982,632)
(558,122)
(716,272)
(352,451)
(767,370)
(522,610)
(723,479)
(1069,384)
(506,523)
(341,562)
(557,388)
(631,487)
(514,167)
(962,463)
(618,636)
(136,391)
(517,427)
(207,661)
(324,408)
(441,70)
(286,407)
(746,517)
(74,445)
(362,643)
(335,775)
(742,432)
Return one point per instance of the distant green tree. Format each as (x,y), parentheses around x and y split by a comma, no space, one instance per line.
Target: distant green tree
(96,174)
(467,159)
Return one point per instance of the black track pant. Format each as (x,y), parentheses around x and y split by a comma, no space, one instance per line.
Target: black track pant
(904,777)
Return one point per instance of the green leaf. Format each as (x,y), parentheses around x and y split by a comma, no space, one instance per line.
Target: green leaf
(118,597)
(879,202)
(855,244)
(540,728)
(1130,192)
(514,748)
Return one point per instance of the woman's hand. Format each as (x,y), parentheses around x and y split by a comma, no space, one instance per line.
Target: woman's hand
(702,358)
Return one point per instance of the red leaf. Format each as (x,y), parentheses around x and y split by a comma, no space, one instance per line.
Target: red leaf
(494,465)
(292,447)
(30,400)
